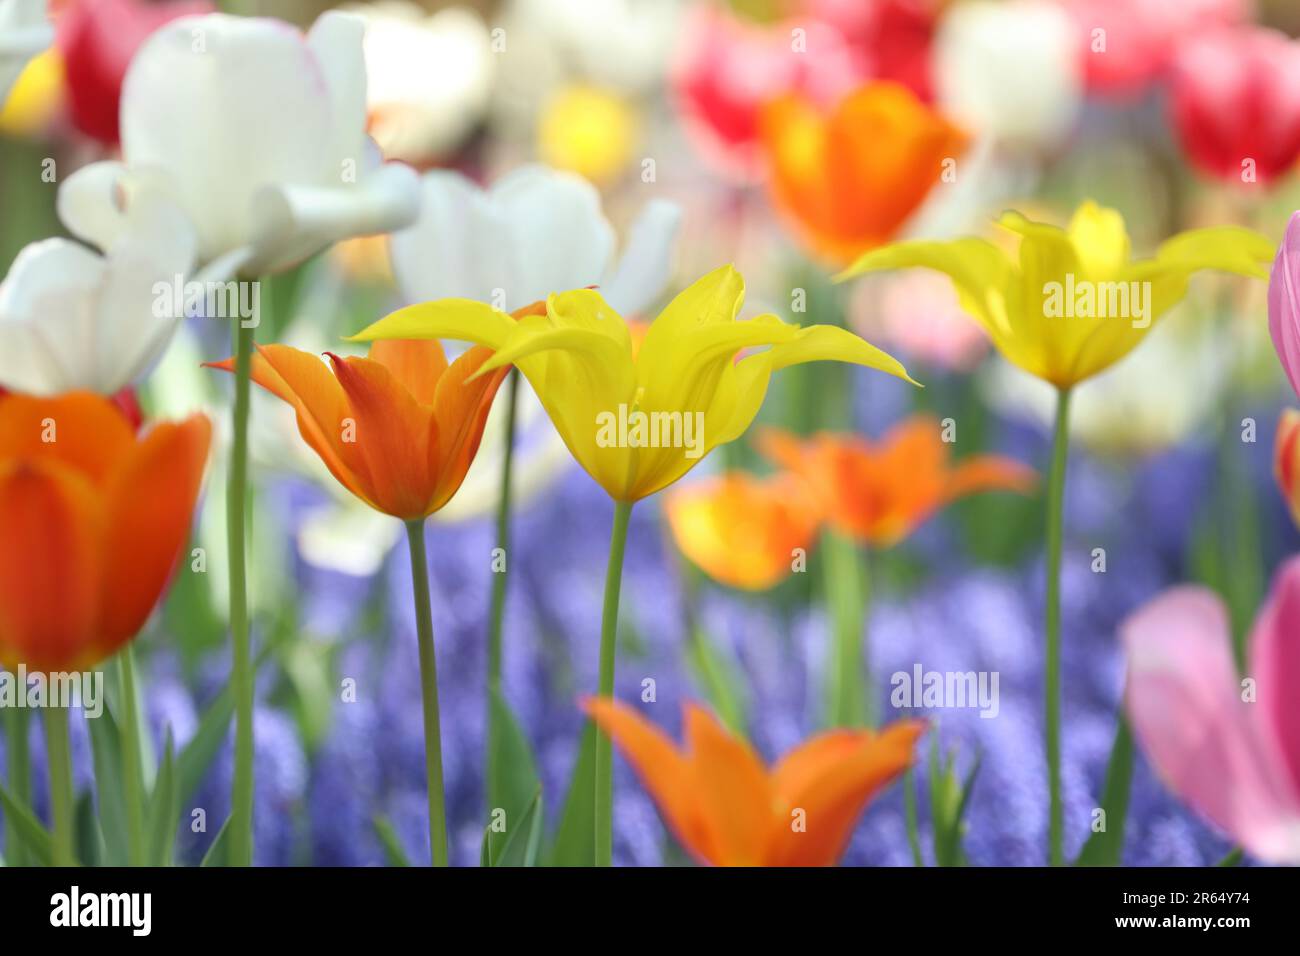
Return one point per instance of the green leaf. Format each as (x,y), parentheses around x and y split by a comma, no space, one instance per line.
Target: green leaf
(393,851)
(216,855)
(89,843)
(575,841)
(164,808)
(512,773)
(34,836)
(949,799)
(106,753)
(1105,848)
(525,839)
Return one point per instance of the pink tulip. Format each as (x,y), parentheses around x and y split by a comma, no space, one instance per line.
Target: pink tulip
(1284,302)
(1130,43)
(1227,746)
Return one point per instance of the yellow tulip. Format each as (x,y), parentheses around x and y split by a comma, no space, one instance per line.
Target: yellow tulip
(639,415)
(1073,302)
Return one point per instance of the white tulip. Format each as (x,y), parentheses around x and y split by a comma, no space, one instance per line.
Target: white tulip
(1010,70)
(71,318)
(24,32)
(258,133)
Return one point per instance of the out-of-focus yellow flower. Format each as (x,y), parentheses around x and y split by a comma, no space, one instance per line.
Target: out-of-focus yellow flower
(1073,302)
(741,530)
(637,420)
(589,131)
(35,97)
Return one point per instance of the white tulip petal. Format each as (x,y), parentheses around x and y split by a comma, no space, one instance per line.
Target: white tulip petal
(336,40)
(646,262)
(90,203)
(459,247)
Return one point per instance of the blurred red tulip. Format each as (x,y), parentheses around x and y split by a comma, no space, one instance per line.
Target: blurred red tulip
(1236,103)
(98,38)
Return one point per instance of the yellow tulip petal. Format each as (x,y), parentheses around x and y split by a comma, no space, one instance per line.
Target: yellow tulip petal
(1100,240)
(462,319)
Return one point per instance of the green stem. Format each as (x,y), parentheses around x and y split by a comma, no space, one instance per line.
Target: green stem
(909,813)
(848,699)
(496,619)
(20,779)
(241,801)
(429,693)
(608,649)
(132,779)
(58,755)
(1052,677)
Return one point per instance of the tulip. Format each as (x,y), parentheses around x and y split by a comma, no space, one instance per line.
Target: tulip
(726,68)
(35,103)
(398,429)
(258,133)
(75,319)
(95,519)
(429,77)
(743,531)
(1011,71)
(878,493)
(849,179)
(888,39)
(1286,460)
(24,32)
(98,39)
(1284,302)
(727,809)
(1229,748)
(1232,103)
(1072,304)
(533,232)
(637,419)
(1130,44)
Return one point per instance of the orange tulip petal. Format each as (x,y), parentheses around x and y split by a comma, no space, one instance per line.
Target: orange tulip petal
(81,429)
(394,434)
(417,363)
(832,786)
(50,564)
(149,509)
(733,788)
(665,772)
(990,473)
(304,381)
(461,408)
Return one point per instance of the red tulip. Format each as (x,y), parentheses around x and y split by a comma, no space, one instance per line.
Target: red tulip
(98,38)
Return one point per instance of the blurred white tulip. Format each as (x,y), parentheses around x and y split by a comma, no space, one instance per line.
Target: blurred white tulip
(74,319)
(258,133)
(24,32)
(429,78)
(1010,70)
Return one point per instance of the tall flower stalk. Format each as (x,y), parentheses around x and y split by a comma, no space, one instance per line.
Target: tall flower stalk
(608,651)
(428,693)
(1052,659)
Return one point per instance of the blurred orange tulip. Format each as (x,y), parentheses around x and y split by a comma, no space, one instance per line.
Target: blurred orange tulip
(398,429)
(879,492)
(740,530)
(92,522)
(727,809)
(1286,460)
(850,179)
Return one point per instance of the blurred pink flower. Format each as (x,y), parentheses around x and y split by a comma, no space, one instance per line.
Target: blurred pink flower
(1235,101)
(1284,302)
(918,315)
(726,66)
(1131,43)
(1229,748)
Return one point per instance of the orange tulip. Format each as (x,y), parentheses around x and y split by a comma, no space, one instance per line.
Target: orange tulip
(850,179)
(879,492)
(741,530)
(398,429)
(727,809)
(92,522)
(1286,460)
